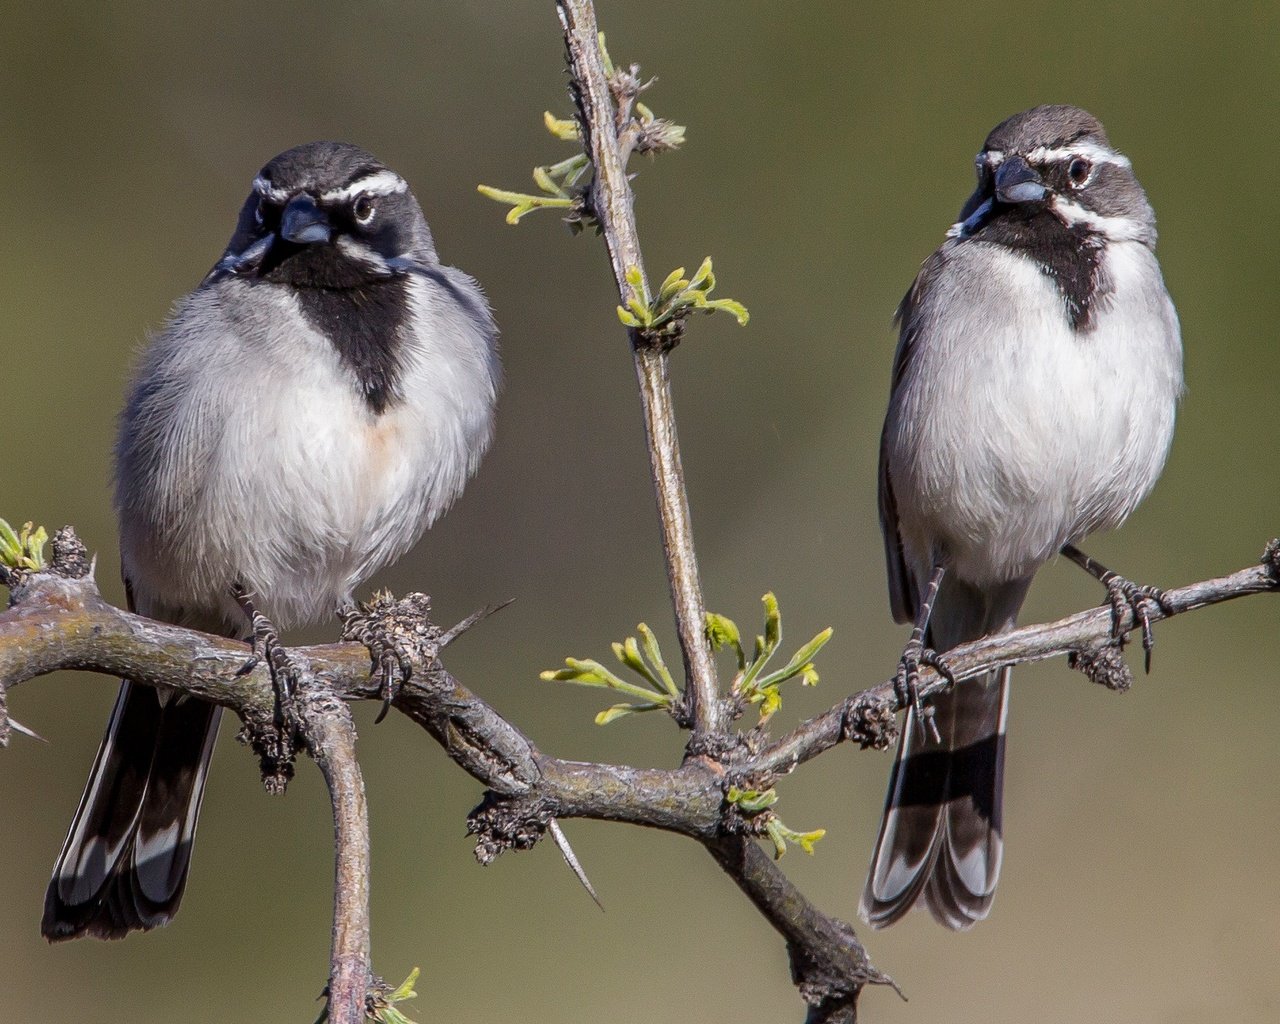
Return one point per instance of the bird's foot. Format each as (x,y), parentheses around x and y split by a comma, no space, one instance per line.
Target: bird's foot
(1123,594)
(907,683)
(393,631)
(278,749)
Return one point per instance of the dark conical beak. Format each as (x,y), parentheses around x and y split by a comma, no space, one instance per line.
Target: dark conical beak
(1016,182)
(303,222)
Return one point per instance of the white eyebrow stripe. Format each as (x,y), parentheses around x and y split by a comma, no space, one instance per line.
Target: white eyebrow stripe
(1094,154)
(379,183)
(268,191)
(1117,229)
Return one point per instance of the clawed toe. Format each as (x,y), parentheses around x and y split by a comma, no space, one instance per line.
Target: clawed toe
(394,668)
(907,684)
(390,649)
(1124,594)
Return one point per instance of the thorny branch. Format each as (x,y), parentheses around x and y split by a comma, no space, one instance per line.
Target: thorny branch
(58,620)
(604,107)
(330,737)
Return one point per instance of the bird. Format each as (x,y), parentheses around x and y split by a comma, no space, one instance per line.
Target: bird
(305,414)
(1034,389)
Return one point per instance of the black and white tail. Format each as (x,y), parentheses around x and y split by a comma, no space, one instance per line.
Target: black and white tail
(124,864)
(941,838)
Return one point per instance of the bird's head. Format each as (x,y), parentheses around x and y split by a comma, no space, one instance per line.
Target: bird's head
(1056,161)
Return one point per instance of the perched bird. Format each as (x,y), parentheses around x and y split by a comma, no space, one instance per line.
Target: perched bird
(306,413)
(1038,369)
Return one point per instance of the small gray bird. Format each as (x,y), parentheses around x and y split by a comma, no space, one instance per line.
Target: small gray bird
(307,412)
(1038,369)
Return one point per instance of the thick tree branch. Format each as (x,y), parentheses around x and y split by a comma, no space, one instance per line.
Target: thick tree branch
(612,205)
(330,736)
(59,621)
(1081,635)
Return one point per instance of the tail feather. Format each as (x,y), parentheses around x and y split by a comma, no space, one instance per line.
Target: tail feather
(125,860)
(941,837)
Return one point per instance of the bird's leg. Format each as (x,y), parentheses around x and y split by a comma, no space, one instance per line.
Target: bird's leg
(393,631)
(1123,593)
(916,654)
(266,646)
(278,745)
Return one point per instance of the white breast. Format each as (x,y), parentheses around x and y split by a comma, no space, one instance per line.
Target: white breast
(262,463)
(1011,433)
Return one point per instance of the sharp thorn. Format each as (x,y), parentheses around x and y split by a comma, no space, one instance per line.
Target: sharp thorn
(17,726)
(571,858)
(452,634)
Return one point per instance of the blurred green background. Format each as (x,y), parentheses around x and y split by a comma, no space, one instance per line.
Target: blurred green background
(830,145)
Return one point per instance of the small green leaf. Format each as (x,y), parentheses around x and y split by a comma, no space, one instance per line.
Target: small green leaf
(543,180)
(569,169)
(703,280)
(8,539)
(627,319)
(800,661)
(770,700)
(604,54)
(641,311)
(752,801)
(405,991)
(781,835)
(723,632)
(620,710)
(523,203)
(566,131)
(23,549)
(654,654)
(807,839)
(586,672)
(628,652)
(34,542)
(672,285)
(773,831)
(772,623)
(737,309)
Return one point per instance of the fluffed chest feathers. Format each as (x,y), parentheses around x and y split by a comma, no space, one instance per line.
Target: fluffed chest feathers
(265,457)
(1021,433)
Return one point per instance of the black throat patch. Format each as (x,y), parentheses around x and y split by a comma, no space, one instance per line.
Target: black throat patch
(360,313)
(363,323)
(1069,257)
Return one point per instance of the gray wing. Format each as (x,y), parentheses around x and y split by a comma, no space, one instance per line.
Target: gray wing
(902,587)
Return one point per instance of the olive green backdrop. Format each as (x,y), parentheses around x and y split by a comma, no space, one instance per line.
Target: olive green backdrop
(830,145)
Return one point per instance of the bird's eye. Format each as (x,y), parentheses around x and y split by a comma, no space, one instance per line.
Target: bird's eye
(1079,171)
(364,209)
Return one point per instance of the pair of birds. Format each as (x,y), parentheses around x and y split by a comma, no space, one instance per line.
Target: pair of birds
(325,393)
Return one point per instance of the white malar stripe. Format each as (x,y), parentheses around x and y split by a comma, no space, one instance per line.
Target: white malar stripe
(380,183)
(358,252)
(1117,229)
(1094,154)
